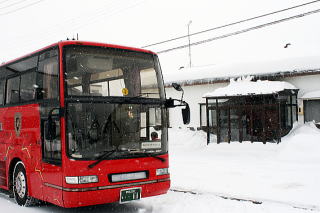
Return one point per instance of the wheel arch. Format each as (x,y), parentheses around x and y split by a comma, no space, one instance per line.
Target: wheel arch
(12,165)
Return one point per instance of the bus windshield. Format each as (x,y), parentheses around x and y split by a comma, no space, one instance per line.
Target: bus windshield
(98,71)
(114,103)
(130,129)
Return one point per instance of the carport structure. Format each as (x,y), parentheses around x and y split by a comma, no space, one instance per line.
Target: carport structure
(251,111)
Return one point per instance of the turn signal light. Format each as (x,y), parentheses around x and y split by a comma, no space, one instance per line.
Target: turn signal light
(162,171)
(82,179)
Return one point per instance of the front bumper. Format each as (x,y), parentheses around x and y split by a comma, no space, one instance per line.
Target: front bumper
(77,197)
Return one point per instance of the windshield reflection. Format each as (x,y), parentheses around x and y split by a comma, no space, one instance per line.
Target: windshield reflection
(96,128)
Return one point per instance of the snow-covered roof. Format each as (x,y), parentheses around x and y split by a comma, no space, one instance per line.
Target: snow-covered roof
(311,95)
(245,86)
(223,72)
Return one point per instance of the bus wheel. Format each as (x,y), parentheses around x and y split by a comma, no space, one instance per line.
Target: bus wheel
(20,187)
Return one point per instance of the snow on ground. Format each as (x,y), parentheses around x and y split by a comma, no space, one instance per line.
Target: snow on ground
(284,177)
(287,173)
(169,203)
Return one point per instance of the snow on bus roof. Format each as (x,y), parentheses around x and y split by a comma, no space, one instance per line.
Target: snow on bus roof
(212,73)
(245,86)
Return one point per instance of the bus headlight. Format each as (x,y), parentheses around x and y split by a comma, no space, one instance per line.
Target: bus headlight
(82,179)
(162,171)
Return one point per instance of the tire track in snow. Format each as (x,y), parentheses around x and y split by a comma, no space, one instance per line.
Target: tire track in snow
(252,200)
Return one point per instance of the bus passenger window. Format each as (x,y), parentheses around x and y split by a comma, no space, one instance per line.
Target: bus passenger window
(48,75)
(13,87)
(28,86)
(24,65)
(2,92)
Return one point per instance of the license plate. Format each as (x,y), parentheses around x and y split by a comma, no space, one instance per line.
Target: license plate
(127,195)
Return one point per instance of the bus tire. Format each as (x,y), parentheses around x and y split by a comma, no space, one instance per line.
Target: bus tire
(20,186)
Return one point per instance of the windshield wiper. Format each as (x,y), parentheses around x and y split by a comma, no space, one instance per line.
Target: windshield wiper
(154,156)
(102,157)
(107,154)
(144,94)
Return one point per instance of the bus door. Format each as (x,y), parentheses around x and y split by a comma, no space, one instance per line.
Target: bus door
(3,175)
(51,161)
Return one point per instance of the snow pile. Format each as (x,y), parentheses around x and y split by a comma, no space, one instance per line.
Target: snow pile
(183,139)
(311,95)
(302,144)
(245,86)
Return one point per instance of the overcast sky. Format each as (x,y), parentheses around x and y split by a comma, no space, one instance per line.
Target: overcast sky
(27,25)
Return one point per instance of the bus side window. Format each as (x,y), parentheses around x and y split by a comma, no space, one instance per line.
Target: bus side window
(2,91)
(13,87)
(28,86)
(25,68)
(48,70)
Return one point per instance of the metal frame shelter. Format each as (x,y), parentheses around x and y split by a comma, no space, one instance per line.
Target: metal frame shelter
(252,117)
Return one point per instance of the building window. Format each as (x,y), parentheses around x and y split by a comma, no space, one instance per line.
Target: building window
(203,116)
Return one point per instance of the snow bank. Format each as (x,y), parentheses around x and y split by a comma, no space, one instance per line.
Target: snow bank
(245,86)
(301,145)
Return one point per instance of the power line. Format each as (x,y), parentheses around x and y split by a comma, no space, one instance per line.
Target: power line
(4,1)
(20,8)
(10,5)
(233,23)
(91,18)
(113,9)
(241,31)
(137,3)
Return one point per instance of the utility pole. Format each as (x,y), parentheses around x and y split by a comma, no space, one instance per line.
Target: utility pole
(189,43)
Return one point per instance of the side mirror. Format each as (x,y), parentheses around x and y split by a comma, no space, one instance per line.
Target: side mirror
(170,104)
(186,114)
(50,129)
(177,87)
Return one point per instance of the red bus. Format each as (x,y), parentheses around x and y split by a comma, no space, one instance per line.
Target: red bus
(83,123)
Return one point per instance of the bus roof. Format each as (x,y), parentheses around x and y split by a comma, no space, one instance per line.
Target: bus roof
(76,42)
